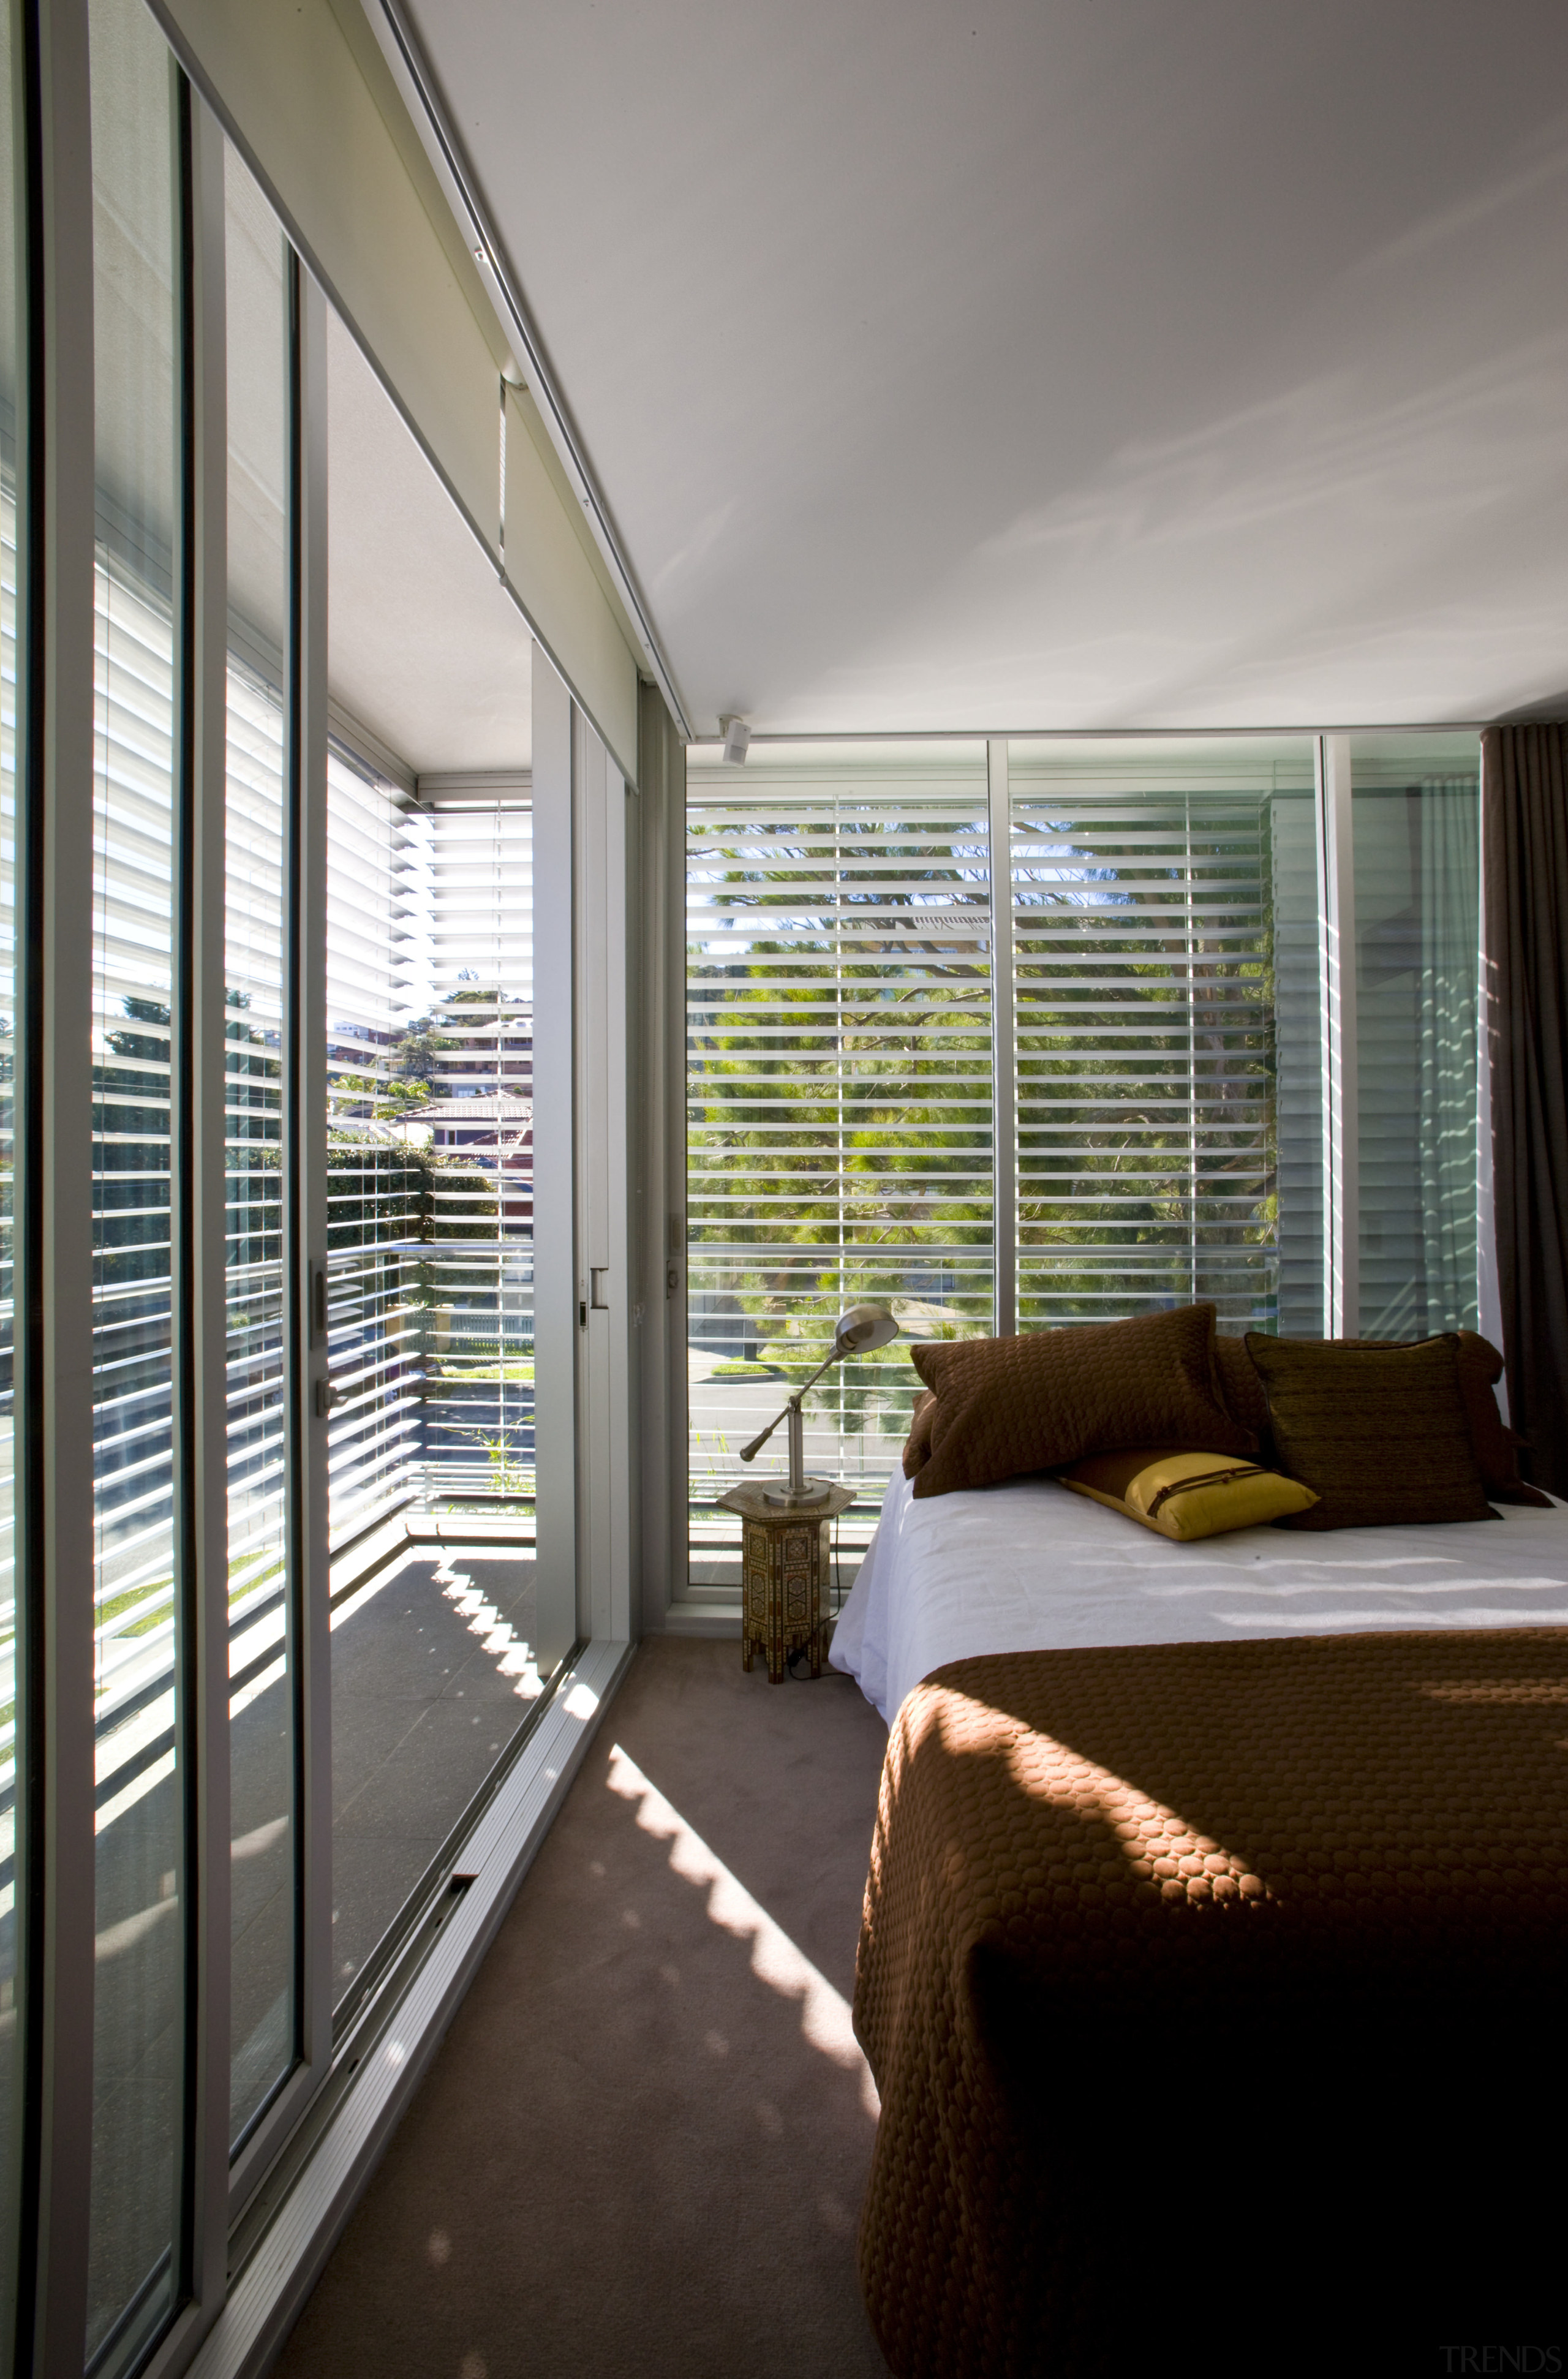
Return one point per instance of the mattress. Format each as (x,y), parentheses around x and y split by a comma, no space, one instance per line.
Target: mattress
(1030,1566)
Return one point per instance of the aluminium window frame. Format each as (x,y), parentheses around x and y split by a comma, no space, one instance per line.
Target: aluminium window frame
(666,1606)
(1336,1011)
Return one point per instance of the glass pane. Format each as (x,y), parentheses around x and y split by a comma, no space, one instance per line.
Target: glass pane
(263,1814)
(839,1114)
(1415,811)
(1165,905)
(10,2026)
(430,1063)
(140,1869)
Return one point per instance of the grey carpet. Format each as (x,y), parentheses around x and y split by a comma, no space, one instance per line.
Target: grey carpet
(627,2157)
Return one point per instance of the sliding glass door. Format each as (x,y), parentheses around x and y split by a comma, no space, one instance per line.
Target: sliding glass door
(263,1660)
(278,1620)
(144,1583)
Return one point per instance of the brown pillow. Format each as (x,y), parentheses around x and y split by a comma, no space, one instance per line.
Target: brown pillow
(1497,1445)
(917,1445)
(1004,1405)
(1380,1434)
(1241,1391)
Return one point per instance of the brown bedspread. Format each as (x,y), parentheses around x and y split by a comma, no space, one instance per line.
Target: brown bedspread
(1217,1985)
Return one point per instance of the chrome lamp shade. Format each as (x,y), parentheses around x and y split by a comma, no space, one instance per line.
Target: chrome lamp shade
(859,1330)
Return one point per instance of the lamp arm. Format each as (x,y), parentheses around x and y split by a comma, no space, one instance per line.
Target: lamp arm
(816,1375)
(750,1452)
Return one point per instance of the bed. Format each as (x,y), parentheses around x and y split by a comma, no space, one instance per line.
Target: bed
(1215,1936)
(1029,1566)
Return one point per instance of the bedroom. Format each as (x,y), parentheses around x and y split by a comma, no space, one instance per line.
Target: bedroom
(1112,467)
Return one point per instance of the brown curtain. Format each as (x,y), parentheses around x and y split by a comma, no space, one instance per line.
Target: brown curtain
(1525,861)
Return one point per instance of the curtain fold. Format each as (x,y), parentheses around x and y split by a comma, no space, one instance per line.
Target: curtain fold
(1525,855)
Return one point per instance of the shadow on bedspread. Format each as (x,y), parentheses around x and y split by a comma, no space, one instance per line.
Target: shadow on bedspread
(1215,1996)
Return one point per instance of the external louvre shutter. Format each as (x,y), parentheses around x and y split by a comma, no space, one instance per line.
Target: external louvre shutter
(1298,1065)
(255,940)
(468,905)
(839,1085)
(374,1191)
(1146,1048)
(1417,938)
(132,758)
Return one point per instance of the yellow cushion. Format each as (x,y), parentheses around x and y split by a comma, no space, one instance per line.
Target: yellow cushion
(1187,1495)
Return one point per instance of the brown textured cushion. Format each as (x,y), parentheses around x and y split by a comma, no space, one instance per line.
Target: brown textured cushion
(917,1445)
(1380,1434)
(1497,1445)
(1004,1405)
(1242,1392)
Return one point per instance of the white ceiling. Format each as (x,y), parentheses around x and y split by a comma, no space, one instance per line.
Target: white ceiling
(1090,363)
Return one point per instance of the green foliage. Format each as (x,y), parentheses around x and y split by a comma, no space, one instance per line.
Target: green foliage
(508,1476)
(415,1060)
(839,1074)
(377,1191)
(838,1082)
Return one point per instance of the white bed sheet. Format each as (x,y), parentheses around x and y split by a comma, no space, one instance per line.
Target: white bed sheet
(1031,1567)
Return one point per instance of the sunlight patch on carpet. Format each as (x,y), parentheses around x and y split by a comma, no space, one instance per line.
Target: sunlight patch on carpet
(825,2012)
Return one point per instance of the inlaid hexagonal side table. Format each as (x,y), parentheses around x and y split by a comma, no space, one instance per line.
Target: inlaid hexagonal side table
(785,1555)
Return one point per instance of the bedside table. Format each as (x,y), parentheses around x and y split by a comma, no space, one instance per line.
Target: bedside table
(784,1558)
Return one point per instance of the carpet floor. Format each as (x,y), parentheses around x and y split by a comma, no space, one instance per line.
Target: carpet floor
(643,2144)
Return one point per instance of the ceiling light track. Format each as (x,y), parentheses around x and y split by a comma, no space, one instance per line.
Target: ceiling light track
(1104,734)
(452,164)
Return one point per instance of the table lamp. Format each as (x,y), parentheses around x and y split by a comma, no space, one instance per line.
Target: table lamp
(856,1333)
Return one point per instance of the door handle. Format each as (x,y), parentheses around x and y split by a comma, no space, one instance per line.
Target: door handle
(597,1274)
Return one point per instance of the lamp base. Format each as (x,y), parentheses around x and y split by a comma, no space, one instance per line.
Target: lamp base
(809,1496)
